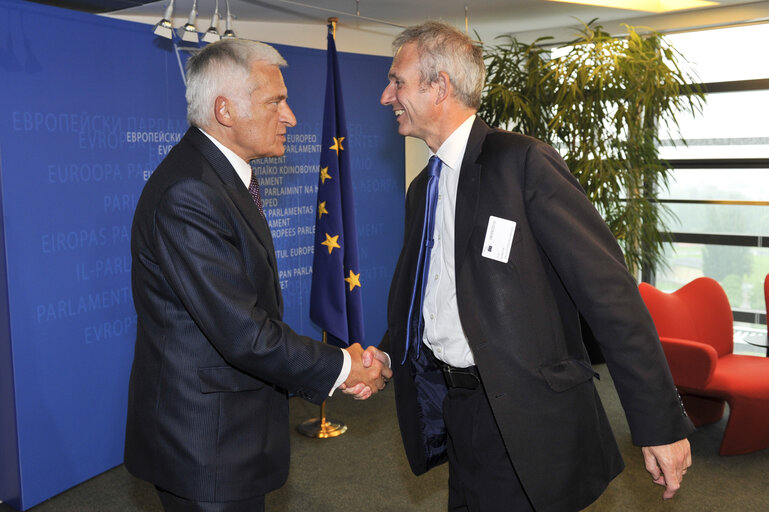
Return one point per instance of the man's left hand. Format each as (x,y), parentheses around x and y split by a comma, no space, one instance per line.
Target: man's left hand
(667,464)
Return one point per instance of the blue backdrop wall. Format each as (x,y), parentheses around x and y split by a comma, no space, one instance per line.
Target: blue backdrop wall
(90,106)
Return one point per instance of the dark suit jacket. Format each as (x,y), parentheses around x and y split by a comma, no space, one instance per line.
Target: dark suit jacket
(522,321)
(208,407)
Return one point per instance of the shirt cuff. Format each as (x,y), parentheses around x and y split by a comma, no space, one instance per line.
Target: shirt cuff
(346,367)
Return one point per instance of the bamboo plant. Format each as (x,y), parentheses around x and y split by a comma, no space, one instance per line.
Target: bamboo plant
(601,101)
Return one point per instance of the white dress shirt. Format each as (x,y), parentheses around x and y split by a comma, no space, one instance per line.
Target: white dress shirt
(243,169)
(443,331)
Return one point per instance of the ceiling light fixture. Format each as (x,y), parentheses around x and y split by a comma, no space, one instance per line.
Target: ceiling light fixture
(189,31)
(212,34)
(657,6)
(164,28)
(228,33)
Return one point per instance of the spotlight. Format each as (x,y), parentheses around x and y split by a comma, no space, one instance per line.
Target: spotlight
(189,32)
(212,34)
(229,33)
(164,28)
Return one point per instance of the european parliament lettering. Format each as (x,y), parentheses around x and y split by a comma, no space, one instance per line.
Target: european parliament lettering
(91,245)
(289,188)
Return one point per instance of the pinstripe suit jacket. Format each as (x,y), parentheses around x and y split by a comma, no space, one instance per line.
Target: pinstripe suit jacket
(208,409)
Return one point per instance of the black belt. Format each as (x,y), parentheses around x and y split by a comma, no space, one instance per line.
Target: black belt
(467,378)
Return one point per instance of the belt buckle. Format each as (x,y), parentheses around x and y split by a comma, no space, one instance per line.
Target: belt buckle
(460,379)
(449,375)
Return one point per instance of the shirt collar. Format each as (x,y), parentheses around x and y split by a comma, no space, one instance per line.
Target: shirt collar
(452,151)
(242,168)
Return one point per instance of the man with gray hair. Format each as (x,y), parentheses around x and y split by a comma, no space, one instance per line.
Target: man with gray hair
(502,254)
(213,361)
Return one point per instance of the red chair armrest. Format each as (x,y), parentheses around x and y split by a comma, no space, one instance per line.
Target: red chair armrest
(691,363)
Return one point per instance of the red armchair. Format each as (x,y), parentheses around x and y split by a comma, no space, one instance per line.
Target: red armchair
(766,300)
(695,327)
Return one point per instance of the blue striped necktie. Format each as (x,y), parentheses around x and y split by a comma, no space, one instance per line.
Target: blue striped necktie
(415,325)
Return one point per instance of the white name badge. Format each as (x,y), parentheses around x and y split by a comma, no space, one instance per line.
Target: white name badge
(499,239)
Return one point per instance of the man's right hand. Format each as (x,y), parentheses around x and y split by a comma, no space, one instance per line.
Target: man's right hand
(369,372)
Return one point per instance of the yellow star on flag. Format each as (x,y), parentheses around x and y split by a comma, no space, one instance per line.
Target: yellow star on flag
(331,243)
(354,280)
(324,175)
(337,145)
(322,209)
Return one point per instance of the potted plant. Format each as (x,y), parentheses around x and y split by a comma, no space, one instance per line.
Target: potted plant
(600,100)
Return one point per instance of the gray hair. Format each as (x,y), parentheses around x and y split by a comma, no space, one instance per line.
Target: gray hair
(222,69)
(442,47)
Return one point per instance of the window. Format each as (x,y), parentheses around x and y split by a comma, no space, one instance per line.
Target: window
(719,187)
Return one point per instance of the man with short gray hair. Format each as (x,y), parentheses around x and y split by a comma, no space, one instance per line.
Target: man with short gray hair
(502,254)
(213,362)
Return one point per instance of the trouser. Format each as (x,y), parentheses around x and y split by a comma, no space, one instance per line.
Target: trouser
(481,475)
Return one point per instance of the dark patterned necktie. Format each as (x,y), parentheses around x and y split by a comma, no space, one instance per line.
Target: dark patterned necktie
(415,325)
(253,189)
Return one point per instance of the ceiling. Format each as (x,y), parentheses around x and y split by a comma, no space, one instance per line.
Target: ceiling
(486,16)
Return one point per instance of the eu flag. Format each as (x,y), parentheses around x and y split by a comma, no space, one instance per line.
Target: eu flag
(335,298)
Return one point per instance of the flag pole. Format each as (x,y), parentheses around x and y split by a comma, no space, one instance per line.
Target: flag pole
(321,428)
(343,212)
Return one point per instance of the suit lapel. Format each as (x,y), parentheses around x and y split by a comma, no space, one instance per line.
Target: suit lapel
(241,198)
(468,191)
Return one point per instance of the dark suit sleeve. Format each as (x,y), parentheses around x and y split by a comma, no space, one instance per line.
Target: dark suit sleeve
(220,271)
(588,261)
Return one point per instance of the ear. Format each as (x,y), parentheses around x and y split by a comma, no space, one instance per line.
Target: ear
(443,86)
(223,111)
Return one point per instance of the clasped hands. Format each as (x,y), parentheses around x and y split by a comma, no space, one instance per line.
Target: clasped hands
(369,372)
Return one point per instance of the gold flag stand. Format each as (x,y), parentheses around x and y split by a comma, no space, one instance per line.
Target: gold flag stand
(322,428)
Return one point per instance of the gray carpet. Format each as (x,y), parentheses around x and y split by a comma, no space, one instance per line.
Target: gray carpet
(366,470)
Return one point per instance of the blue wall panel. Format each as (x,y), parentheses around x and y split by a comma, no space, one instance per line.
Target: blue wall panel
(74,87)
(90,105)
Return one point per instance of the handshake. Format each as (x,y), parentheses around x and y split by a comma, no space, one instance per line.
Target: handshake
(369,372)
